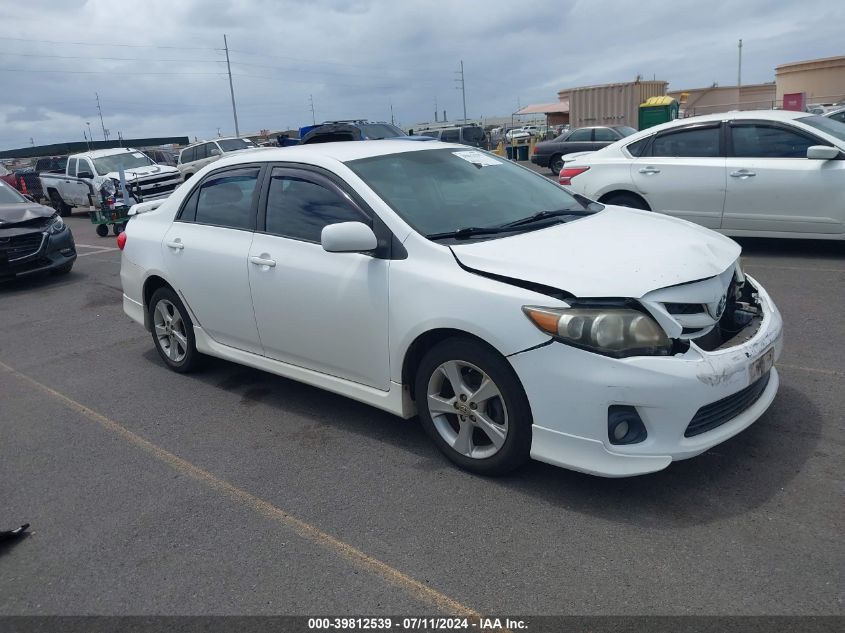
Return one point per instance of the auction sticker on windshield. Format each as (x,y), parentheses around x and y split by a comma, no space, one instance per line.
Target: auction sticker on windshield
(477,158)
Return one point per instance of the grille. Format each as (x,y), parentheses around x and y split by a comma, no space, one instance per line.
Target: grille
(20,246)
(718,413)
(684,308)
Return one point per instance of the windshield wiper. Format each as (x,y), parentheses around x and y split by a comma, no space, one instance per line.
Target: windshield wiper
(545,215)
(467,232)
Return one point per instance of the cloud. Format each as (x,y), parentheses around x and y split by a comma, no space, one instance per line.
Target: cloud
(159,68)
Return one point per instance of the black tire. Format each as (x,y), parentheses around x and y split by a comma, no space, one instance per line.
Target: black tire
(626,200)
(192,359)
(102,230)
(117,229)
(63,270)
(556,164)
(59,205)
(515,450)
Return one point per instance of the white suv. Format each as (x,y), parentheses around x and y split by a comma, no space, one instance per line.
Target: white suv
(195,157)
(434,279)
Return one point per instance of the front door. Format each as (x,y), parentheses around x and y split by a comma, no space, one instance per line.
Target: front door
(206,250)
(683,174)
(773,186)
(322,311)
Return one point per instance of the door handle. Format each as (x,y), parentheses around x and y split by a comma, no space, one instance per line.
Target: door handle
(261,261)
(742,173)
(177,244)
(649,171)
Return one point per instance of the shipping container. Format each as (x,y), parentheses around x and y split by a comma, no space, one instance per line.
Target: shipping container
(610,104)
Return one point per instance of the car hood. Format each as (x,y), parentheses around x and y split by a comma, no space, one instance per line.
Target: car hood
(145,172)
(617,252)
(16,212)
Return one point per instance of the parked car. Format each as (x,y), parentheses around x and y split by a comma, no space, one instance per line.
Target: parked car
(516,319)
(472,135)
(33,238)
(195,157)
(770,173)
(86,173)
(8,177)
(837,114)
(354,130)
(584,139)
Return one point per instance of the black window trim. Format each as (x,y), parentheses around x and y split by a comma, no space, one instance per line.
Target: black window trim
(769,123)
(389,247)
(262,170)
(647,152)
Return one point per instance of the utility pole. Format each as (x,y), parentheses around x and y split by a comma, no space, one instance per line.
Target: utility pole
(231,86)
(103,125)
(392,122)
(313,114)
(90,135)
(463,89)
(32,141)
(739,69)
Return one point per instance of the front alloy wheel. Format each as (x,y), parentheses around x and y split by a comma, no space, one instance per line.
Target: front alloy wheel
(473,406)
(467,409)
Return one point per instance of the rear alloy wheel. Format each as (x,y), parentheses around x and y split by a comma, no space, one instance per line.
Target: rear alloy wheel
(556,164)
(59,205)
(473,407)
(173,332)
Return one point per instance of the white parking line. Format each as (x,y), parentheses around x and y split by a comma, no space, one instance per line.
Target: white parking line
(99,252)
(806,268)
(107,248)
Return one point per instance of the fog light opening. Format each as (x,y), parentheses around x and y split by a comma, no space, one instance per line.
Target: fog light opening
(624,425)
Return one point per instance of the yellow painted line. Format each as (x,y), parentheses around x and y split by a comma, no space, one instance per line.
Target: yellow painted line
(816,370)
(411,586)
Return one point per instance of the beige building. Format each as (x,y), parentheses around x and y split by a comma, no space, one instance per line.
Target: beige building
(822,79)
(724,98)
(609,104)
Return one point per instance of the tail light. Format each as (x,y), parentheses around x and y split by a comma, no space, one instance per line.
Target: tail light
(568,173)
(535,149)
(121,240)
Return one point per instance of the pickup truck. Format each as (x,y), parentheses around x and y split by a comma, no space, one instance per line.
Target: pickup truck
(86,173)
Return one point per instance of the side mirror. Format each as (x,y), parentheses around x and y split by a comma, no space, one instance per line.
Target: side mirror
(348,237)
(84,174)
(214,152)
(822,152)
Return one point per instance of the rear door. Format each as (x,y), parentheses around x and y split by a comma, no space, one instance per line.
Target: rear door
(773,186)
(580,140)
(75,191)
(682,173)
(205,252)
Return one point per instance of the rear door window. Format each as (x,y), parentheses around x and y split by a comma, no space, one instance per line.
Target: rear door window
(700,142)
(228,199)
(187,155)
(584,134)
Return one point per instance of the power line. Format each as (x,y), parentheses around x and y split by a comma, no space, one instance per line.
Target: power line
(325,61)
(121,44)
(100,72)
(119,59)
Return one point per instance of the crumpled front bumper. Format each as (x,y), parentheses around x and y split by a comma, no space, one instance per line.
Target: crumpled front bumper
(570,391)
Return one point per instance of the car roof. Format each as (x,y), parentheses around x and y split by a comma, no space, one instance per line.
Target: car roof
(341,151)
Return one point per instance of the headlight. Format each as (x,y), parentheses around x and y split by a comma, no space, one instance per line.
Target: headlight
(57,225)
(617,332)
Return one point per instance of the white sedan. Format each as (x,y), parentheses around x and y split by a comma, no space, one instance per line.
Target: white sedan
(772,173)
(428,278)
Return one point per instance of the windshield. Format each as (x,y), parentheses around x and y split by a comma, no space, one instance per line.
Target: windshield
(234,144)
(444,190)
(826,124)
(9,195)
(376,131)
(127,160)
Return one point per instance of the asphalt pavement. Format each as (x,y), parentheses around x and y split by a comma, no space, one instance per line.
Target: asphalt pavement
(232,491)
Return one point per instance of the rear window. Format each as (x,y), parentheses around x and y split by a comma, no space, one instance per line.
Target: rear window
(624,130)
(473,134)
(376,131)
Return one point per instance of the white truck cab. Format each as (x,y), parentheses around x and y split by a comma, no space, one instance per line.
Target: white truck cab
(86,172)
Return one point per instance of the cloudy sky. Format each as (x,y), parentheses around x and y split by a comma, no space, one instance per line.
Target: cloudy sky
(159,67)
